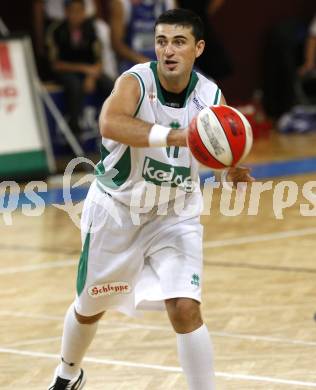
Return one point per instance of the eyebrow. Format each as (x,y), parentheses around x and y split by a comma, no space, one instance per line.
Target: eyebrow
(175,37)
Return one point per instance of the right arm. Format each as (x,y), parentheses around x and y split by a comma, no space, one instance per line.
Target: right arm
(117,120)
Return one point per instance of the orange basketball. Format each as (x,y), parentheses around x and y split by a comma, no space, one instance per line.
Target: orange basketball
(220,137)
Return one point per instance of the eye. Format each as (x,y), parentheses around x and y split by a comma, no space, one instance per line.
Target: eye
(160,42)
(179,42)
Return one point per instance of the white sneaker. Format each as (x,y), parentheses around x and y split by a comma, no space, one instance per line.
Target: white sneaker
(59,383)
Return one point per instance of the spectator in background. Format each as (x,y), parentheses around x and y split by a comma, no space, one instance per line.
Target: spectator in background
(46,12)
(215,61)
(307,71)
(310,50)
(75,55)
(283,59)
(132,24)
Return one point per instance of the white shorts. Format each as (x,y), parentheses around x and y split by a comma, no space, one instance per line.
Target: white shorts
(126,267)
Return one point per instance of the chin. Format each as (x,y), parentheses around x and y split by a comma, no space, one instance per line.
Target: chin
(173,73)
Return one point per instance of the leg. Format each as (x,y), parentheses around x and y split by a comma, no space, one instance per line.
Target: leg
(101,238)
(280,62)
(184,314)
(74,96)
(79,332)
(194,344)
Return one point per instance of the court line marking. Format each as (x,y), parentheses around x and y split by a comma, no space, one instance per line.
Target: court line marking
(207,245)
(37,248)
(74,262)
(30,315)
(223,334)
(33,342)
(128,326)
(260,238)
(208,261)
(58,338)
(122,363)
(37,267)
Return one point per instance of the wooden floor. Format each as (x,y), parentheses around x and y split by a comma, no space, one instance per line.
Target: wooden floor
(259,300)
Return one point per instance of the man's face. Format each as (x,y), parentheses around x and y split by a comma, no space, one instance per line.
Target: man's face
(75,13)
(176,49)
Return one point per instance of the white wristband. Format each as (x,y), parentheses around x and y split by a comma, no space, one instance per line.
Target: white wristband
(158,135)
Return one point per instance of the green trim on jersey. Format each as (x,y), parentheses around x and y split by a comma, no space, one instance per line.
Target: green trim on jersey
(123,166)
(83,265)
(217,97)
(99,169)
(153,67)
(142,86)
(193,81)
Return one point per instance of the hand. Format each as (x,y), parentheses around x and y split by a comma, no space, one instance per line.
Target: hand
(89,84)
(237,175)
(177,137)
(92,70)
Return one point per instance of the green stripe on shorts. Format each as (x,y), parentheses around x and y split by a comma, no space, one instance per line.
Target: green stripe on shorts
(83,265)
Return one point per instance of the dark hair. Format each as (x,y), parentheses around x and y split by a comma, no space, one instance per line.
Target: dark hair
(183,17)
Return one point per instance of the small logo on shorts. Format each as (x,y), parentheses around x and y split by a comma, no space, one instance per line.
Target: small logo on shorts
(195,280)
(113,288)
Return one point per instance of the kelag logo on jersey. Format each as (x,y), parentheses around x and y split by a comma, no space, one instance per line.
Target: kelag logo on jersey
(157,172)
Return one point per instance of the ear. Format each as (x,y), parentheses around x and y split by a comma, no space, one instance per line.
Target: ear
(199,48)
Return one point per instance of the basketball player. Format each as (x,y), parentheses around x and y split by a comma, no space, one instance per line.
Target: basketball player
(156,263)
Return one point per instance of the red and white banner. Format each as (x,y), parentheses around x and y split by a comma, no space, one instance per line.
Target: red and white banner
(19,127)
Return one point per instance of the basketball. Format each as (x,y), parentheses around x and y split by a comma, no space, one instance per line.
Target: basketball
(220,137)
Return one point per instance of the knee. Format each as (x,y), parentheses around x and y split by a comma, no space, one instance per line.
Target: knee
(184,314)
(88,320)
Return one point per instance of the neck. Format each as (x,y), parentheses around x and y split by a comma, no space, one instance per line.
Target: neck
(174,85)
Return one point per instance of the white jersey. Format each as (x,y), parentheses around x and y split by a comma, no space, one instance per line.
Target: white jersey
(125,170)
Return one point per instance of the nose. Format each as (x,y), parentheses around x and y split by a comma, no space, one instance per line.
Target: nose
(169,50)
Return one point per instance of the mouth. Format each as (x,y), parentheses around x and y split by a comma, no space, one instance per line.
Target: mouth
(171,64)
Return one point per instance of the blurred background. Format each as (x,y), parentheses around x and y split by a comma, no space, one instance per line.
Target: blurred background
(58,62)
(256,51)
